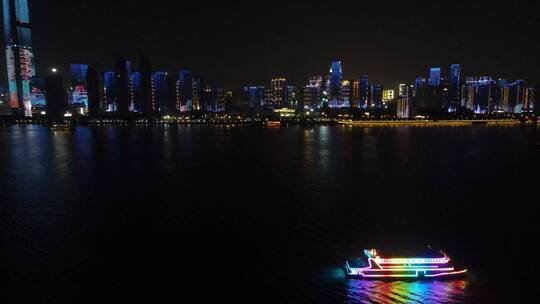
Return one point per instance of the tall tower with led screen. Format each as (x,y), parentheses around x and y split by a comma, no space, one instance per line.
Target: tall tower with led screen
(19,54)
(79,92)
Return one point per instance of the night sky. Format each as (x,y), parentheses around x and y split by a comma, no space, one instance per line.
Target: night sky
(248,42)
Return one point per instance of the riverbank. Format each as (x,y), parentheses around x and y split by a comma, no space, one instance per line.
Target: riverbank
(429,123)
(249,123)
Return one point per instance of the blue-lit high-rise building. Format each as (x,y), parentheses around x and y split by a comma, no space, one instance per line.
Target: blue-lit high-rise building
(109,92)
(377,96)
(185,90)
(480,95)
(334,81)
(122,73)
(159,92)
(135,104)
(135,92)
(513,97)
(254,96)
(79,72)
(485,92)
(19,54)
(434,77)
(364,91)
(455,87)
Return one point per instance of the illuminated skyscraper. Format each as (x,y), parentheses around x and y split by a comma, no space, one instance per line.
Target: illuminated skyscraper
(185,90)
(278,93)
(434,77)
(377,96)
(19,54)
(485,90)
(109,92)
(313,92)
(135,93)
(197,87)
(292,97)
(123,72)
(404,101)
(173,97)
(455,85)
(388,95)
(159,92)
(37,94)
(480,95)
(220,99)
(334,82)
(355,93)
(516,96)
(210,98)
(530,97)
(346,94)
(254,96)
(79,92)
(403,90)
(364,91)
(403,107)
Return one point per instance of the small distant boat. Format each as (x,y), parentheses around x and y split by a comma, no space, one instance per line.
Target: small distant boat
(273,123)
(62,127)
(425,264)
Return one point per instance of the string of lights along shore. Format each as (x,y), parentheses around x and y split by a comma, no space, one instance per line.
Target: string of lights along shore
(133,88)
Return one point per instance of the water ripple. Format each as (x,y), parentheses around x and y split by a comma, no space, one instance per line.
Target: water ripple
(361,291)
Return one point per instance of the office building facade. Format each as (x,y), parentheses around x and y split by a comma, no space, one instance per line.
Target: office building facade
(19,55)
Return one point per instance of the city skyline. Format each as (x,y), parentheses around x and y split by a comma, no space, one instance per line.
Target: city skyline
(142,91)
(131,87)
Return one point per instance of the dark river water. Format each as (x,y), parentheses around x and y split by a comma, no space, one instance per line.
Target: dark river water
(215,213)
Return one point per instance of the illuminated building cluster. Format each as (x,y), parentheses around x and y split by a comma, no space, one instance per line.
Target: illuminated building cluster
(455,94)
(434,95)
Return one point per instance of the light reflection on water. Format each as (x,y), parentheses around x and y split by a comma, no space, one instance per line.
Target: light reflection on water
(365,291)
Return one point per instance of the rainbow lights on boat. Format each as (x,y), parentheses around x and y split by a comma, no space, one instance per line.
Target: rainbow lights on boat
(429,265)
